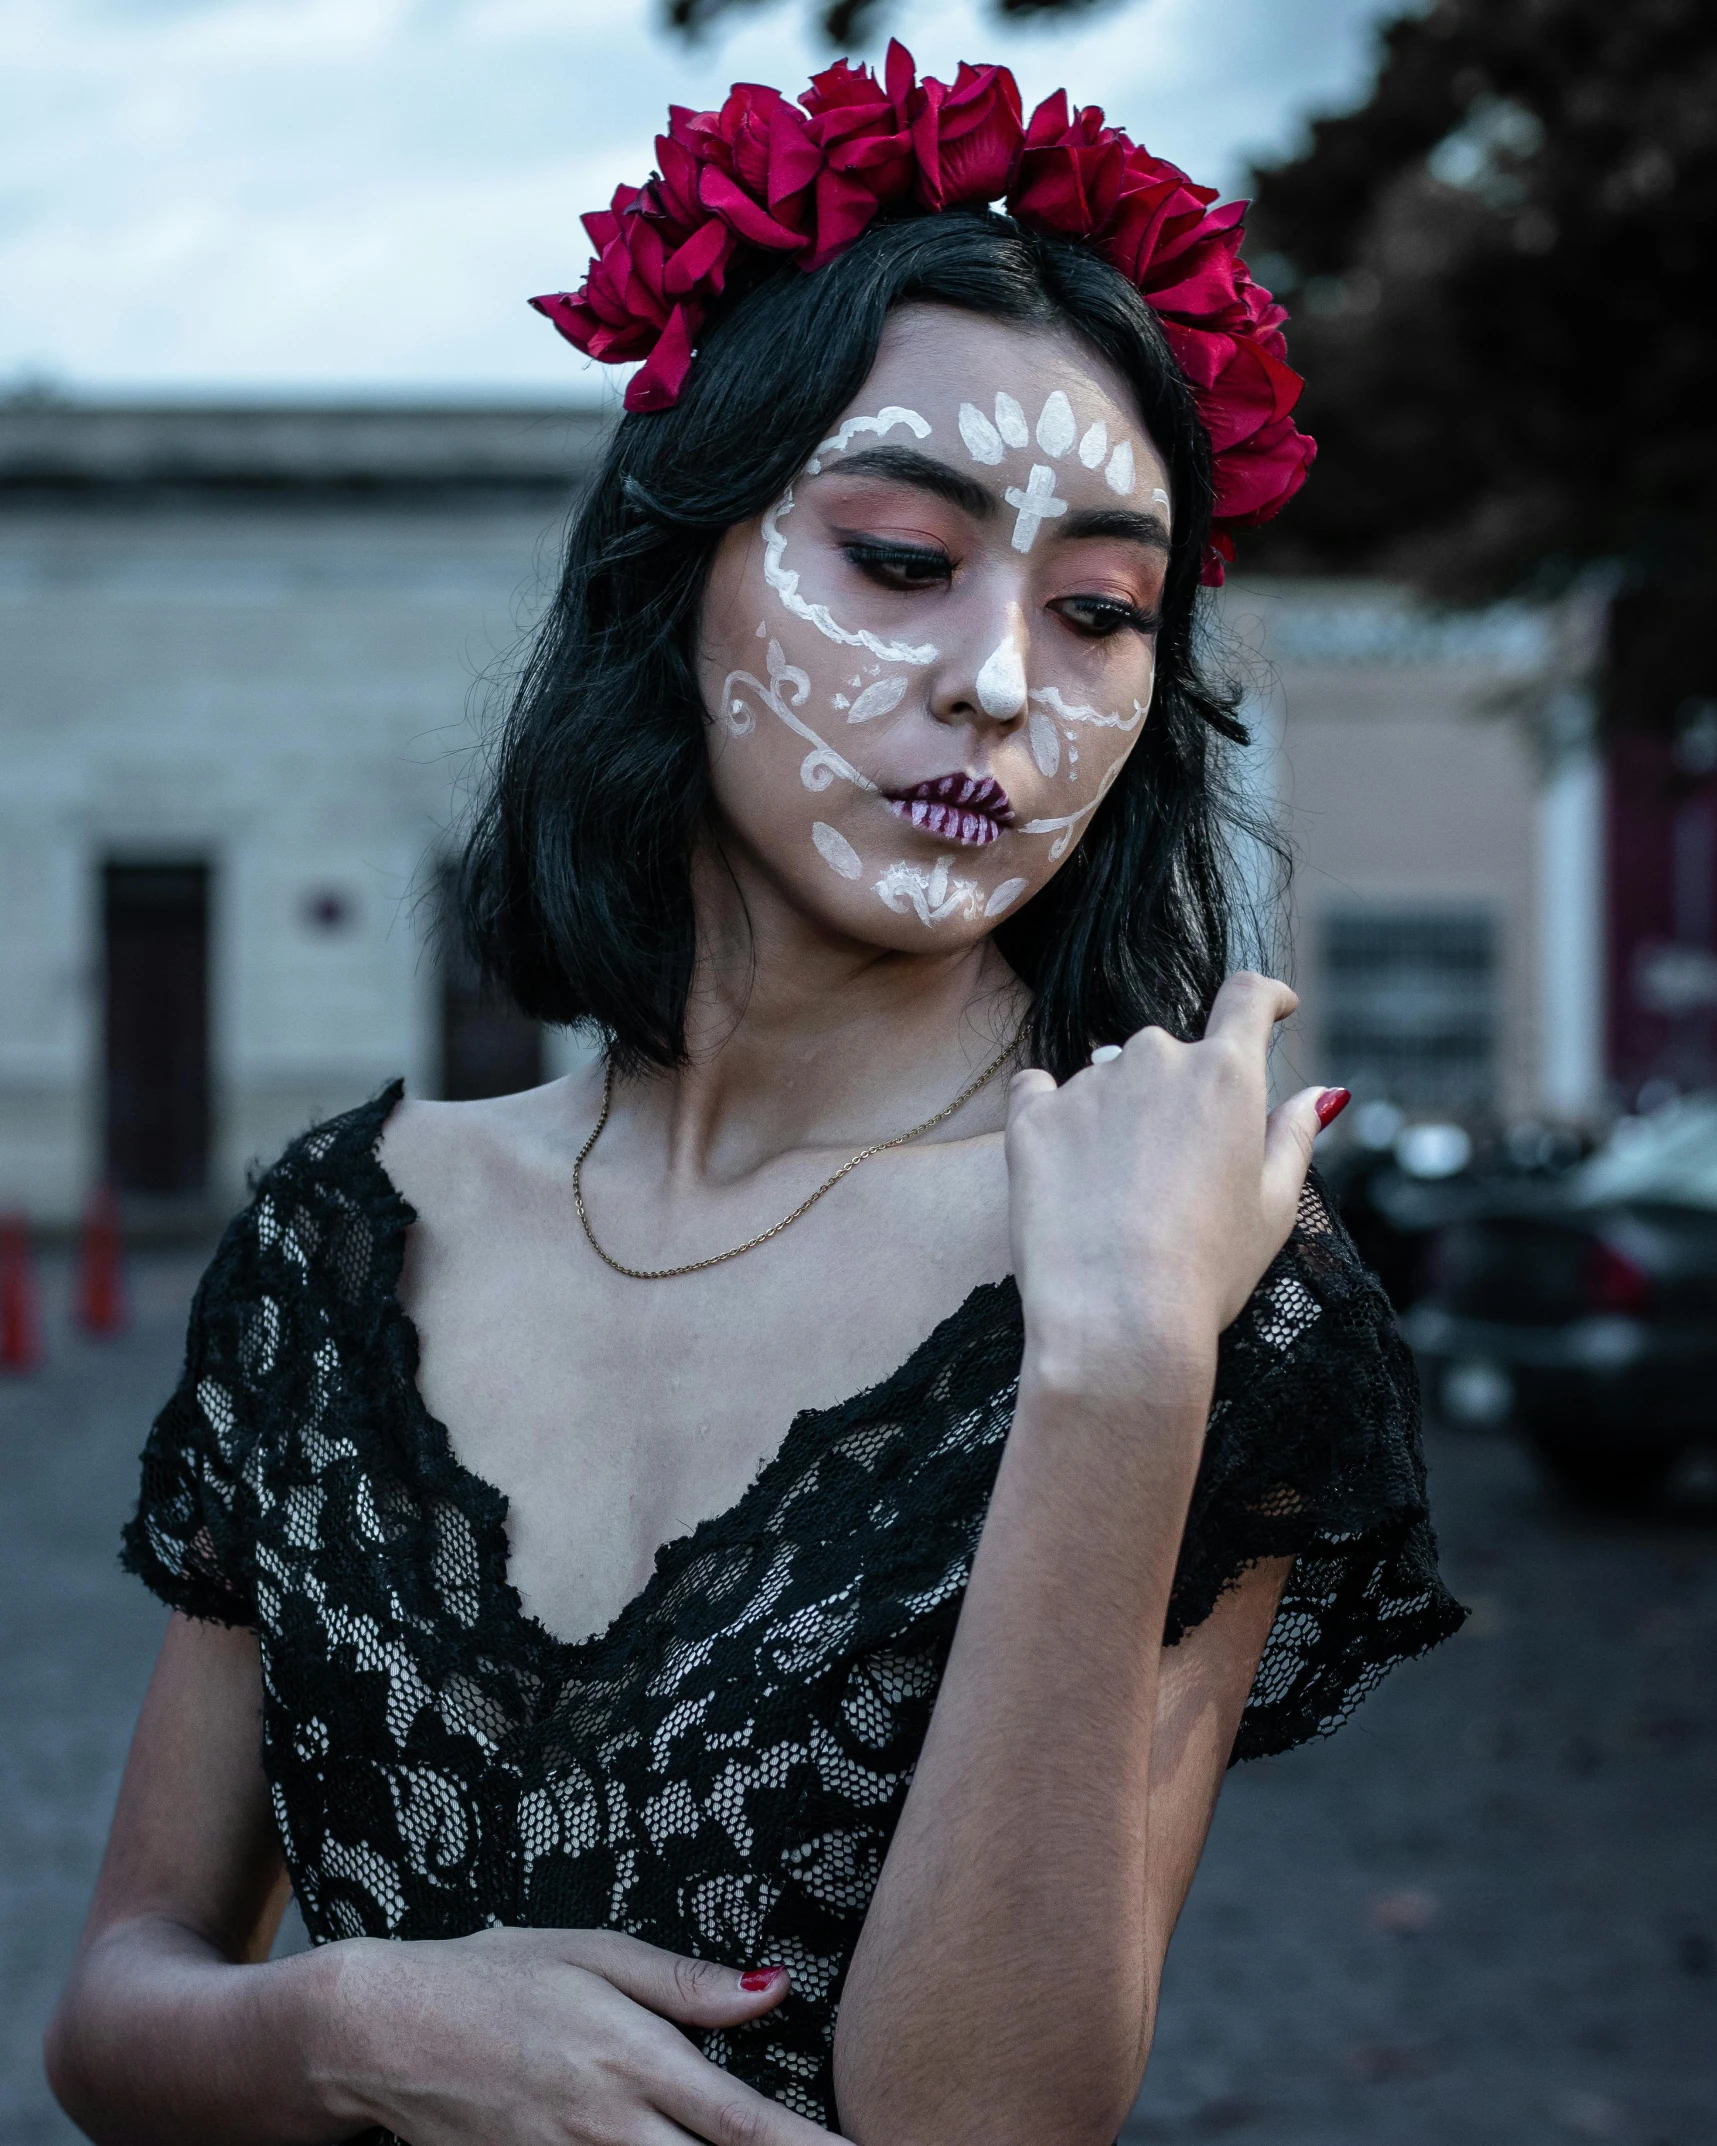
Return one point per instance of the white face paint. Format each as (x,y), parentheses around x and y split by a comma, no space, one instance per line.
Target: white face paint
(1010,422)
(1056,429)
(784,580)
(1035,505)
(788,688)
(933,896)
(983,442)
(879,699)
(1078,712)
(835,850)
(885,420)
(1060,443)
(1001,681)
(1063,828)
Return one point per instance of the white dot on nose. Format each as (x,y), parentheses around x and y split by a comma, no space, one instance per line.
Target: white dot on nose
(1000,684)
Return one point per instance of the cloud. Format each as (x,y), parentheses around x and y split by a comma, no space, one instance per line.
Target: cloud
(303,194)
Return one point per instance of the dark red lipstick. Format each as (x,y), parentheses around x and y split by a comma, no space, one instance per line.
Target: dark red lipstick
(971,809)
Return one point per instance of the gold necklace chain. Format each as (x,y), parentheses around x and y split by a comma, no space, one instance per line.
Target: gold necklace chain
(716,1259)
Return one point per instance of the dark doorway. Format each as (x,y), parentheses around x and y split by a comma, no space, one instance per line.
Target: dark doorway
(488,1047)
(156,923)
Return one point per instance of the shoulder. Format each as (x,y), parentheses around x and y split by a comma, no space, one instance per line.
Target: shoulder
(445,1158)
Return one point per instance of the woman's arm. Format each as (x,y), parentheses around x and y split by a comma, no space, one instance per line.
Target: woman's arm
(176,2030)
(1005,1985)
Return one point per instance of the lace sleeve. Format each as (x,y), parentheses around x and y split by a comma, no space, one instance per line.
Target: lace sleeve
(1313,1453)
(189,1541)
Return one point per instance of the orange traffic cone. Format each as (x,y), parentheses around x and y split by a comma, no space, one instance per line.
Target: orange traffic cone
(20,1312)
(101,1266)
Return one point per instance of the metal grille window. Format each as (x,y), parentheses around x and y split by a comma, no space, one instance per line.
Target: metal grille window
(1410,1006)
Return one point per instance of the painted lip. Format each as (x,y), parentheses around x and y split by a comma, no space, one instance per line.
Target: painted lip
(969,809)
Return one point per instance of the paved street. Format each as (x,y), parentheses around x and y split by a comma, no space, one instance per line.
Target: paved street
(1483,1915)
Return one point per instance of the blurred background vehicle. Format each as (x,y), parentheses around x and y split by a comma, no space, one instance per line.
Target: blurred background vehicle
(1582,1306)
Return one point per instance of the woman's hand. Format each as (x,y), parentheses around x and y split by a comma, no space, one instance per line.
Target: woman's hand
(547,2038)
(1148,1195)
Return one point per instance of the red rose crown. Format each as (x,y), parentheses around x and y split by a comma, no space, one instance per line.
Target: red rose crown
(762,181)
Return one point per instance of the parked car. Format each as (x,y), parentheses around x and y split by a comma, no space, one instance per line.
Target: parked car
(1584,1308)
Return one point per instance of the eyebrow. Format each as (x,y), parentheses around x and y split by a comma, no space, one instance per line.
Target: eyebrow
(1126,523)
(905,465)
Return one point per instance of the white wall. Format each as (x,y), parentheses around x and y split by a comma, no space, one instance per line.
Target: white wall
(284,690)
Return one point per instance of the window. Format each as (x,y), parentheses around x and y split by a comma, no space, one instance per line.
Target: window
(1410,1006)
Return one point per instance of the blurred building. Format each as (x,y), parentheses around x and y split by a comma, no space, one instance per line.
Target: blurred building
(245,652)
(248,652)
(1447,922)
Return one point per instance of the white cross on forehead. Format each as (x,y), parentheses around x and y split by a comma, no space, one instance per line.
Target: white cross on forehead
(1036,504)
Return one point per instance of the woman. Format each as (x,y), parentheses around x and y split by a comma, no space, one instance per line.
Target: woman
(864,763)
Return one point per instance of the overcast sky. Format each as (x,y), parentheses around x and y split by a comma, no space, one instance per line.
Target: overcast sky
(245,195)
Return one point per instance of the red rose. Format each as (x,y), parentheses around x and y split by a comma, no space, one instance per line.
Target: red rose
(967,137)
(861,124)
(1158,213)
(657,383)
(756,165)
(864,132)
(1069,174)
(1256,479)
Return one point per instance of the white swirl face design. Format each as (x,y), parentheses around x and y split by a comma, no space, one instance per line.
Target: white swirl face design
(1064,828)
(787,690)
(784,580)
(933,895)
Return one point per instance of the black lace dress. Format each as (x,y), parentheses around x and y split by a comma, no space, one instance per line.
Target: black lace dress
(721,1770)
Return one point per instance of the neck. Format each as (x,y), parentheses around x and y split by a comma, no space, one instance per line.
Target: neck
(799,1037)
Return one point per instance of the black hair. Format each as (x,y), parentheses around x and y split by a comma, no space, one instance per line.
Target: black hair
(575,888)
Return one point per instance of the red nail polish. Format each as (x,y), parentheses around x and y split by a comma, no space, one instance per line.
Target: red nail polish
(761,1978)
(1332,1103)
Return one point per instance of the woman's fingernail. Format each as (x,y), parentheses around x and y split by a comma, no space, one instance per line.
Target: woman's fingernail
(761,1978)
(1332,1103)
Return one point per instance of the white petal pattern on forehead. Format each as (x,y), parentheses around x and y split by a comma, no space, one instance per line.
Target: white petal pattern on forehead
(983,441)
(880,699)
(1095,445)
(835,850)
(885,420)
(784,580)
(1056,429)
(1010,422)
(1119,474)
